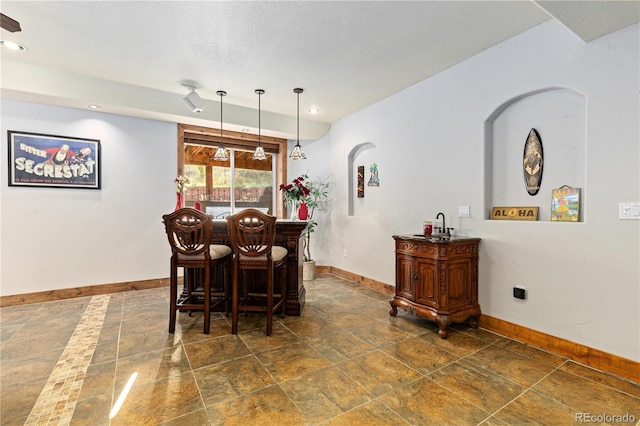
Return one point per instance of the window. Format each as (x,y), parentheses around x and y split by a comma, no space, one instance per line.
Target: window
(224,188)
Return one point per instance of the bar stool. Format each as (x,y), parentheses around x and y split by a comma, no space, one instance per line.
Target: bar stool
(189,232)
(252,235)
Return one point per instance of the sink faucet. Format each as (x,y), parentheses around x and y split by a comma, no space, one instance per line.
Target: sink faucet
(444,228)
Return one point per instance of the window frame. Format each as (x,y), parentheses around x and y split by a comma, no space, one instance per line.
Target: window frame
(247,141)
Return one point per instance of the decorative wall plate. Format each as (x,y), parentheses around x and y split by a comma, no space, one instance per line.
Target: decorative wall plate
(533,161)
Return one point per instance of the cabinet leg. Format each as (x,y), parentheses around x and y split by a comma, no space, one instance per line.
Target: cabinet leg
(442,331)
(443,322)
(394,310)
(473,321)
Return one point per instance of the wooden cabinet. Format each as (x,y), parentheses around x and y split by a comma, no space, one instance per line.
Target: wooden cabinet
(437,279)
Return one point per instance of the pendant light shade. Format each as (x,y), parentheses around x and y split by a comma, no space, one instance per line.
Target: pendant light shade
(221,153)
(259,152)
(297,153)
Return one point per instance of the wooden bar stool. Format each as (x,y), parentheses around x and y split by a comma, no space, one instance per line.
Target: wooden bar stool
(252,235)
(189,232)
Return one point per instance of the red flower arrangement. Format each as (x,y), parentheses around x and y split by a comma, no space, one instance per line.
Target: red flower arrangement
(296,190)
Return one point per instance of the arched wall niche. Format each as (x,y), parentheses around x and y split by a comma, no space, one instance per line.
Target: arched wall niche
(363,154)
(559,116)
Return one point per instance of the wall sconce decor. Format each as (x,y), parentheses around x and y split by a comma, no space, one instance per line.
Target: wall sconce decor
(374,180)
(360,181)
(533,161)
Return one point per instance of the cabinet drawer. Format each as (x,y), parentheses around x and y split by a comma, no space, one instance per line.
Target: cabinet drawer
(416,248)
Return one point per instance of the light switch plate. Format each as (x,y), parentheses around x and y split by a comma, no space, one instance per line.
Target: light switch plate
(463,211)
(629,211)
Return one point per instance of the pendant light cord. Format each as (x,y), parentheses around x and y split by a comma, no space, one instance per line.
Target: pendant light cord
(298,134)
(221,152)
(259,117)
(221,93)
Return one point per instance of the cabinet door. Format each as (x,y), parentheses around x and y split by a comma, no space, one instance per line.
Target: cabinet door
(460,292)
(427,287)
(405,277)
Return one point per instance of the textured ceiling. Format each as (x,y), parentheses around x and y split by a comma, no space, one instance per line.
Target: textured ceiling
(130,57)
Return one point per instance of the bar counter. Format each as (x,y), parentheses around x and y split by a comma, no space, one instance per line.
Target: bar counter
(289,235)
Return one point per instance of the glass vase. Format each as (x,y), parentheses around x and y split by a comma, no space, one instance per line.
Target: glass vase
(293,210)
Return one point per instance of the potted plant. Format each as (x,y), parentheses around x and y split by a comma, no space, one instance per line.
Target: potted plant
(316,199)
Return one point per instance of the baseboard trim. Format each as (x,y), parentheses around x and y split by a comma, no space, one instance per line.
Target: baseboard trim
(582,354)
(371,283)
(70,293)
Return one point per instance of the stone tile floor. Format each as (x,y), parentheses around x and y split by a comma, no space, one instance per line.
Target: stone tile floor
(344,361)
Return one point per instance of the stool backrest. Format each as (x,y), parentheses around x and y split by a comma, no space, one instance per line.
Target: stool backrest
(189,232)
(252,232)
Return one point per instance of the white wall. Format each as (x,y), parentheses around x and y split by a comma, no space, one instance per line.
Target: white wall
(582,279)
(54,238)
(317,167)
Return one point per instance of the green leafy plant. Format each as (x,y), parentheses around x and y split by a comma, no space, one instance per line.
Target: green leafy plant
(316,199)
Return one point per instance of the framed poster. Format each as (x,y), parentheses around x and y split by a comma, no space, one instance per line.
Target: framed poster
(53,161)
(565,204)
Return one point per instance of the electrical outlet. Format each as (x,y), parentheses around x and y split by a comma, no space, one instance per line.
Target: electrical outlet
(345,252)
(519,293)
(463,211)
(629,211)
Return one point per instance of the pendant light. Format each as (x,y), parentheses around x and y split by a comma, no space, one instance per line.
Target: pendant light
(296,152)
(221,153)
(259,152)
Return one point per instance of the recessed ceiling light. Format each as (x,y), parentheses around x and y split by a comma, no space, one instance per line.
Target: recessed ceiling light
(245,130)
(12,45)
(93,106)
(314,110)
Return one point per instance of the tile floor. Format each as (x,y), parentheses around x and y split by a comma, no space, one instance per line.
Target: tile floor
(344,361)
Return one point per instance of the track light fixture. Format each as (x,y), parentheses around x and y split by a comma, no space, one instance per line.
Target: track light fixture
(296,152)
(221,153)
(259,152)
(193,101)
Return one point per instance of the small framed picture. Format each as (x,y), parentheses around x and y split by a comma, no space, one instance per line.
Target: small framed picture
(565,204)
(53,161)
